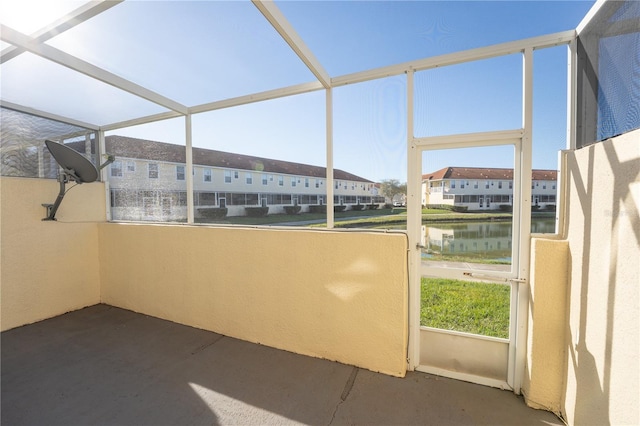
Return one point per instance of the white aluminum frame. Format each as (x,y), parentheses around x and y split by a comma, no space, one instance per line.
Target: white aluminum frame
(521,139)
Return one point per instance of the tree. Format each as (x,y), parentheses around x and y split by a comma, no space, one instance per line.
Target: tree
(392,189)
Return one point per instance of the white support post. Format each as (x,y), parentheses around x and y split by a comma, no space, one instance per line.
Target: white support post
(329,130)
(414,218)
(572,72)
(525,162)
(104,173)
(189,169)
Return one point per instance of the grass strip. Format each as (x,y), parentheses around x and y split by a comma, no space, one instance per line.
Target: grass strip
(466,306)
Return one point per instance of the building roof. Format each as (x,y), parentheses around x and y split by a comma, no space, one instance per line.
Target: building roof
(127,147)
(486,173)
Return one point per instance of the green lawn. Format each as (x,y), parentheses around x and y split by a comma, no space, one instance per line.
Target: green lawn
(466,306)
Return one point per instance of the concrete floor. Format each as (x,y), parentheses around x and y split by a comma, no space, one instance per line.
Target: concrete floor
(107,366)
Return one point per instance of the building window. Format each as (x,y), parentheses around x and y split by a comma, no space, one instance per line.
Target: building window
(280,180)
(265,179)
(153,170)
(510,184)
(553,186)
(179,172)
(544,185)
(235,175)
(462,184)
(249,178)
(306,182)
(317,183)
(500,184)
(116,169)
(293,181)
(453,184)
(206,175)
(486,185)
(131,166)
(475,185)
(227,176)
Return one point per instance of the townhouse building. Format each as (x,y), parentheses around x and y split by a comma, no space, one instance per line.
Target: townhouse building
(480,188)
(148,182)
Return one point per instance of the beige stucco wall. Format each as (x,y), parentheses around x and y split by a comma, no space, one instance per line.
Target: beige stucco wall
(329,294)
(603,372)
(47,268)
(543,383)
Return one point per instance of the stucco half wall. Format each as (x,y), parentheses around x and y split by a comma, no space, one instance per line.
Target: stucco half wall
(48,268)
(329,294)
(603,331)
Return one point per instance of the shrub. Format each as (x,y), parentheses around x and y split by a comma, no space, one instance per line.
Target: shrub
(256,211)
(213,213)
(506,207)
(339,208)
(388,206)
(292,209)
(459,209)
(357,207)
(318,208)
(373,206)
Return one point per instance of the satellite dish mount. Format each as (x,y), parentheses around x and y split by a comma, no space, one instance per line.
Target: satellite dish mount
(75,168)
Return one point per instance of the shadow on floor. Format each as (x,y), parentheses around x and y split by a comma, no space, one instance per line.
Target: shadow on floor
(108,366)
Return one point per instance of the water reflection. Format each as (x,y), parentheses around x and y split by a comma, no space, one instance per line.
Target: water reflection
(474,241)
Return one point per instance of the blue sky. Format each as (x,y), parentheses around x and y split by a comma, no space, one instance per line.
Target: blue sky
(197,52)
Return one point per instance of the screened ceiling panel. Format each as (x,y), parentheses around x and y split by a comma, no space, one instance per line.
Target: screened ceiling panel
(193,52)
(32,81)
(182,54)
(28,16)
(353,36)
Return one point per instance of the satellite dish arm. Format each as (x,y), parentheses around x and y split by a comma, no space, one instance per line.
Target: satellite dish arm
(110,159)
(63,178)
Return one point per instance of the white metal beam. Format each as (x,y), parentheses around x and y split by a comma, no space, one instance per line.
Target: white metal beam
(70,20)
(501,137)
(43,114)
(502,49)
(285,29)
(257,97)
(58,56)
(141,120)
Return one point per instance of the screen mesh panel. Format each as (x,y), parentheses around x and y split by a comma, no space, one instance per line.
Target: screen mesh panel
(22,149)
(609,73)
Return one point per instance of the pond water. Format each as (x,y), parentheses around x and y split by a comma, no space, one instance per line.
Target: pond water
(484,241)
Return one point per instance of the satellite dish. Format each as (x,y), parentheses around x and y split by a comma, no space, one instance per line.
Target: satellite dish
(75,168)
(73,163)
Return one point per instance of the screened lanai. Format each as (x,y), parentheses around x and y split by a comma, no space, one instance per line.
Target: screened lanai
(272,65)
(271,176)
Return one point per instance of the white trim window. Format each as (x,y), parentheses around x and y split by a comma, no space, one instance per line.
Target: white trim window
(306,182)
(131,166)
(293,181)
(265,179)
(153,171)
(280,180)
(206,175)
(249,178)
(180,172)
(227,176)
(116,169)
